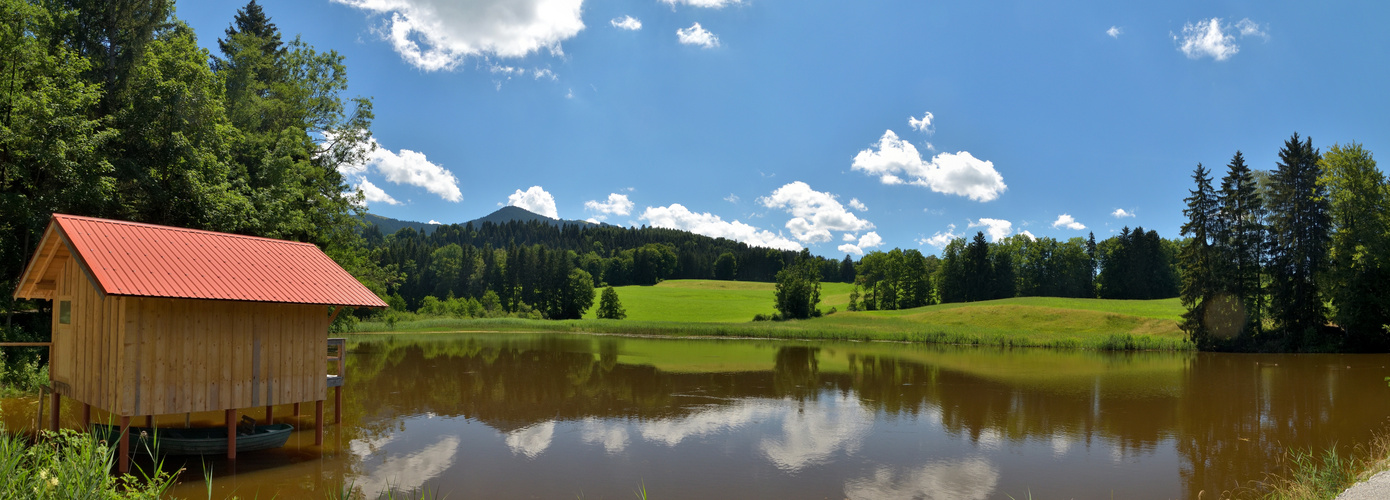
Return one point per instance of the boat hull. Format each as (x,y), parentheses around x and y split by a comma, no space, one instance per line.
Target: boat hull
(198,440)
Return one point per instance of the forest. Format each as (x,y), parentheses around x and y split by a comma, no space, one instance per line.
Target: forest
(1289,260)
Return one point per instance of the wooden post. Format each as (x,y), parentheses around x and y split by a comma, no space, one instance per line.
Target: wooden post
(149,421)
(269,415)
(124,447)
(296,409)
(86,415)
(338,405)
(231,434)
(318,423)
(53,419)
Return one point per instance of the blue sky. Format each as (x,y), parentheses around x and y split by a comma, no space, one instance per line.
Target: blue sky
(843,127)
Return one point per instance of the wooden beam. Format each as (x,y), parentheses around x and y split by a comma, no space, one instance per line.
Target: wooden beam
(318,423)
(24,282)
(26,344)
(338,405)
(334,316)
(124,447)
(57,401)
(231,434)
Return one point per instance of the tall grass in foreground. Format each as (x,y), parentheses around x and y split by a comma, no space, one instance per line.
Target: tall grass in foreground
(69,465)
(1311,475)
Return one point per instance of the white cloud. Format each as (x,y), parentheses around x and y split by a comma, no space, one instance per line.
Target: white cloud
(713,4)
(941,238)
(922,125)
(435,222)
(858,205)
(849,237)
(1114,32)
(1251,28)
(731,198)
(536,200)
(408,167)
(696,35)
(951,173)
(1029,234)
(373,194)
(626,22)
(439,34)
(617,204)
(814,214)
(1206,39)
(869,240)
(677,216)
(1068,222)
(1121,213)
(997,229)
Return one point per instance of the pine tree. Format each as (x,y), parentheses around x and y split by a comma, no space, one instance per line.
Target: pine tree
(1242,234)
(609,307)
(251,20)
(1196,260)
(1094,262)
(1299,225)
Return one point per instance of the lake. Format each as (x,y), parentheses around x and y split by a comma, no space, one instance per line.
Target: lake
(580,416)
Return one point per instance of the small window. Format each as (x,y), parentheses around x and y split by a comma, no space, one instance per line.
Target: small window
(65,312)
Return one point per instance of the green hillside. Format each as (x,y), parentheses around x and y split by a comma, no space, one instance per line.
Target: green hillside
(709,301)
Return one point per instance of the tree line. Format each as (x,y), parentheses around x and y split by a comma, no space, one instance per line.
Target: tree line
(1290,260)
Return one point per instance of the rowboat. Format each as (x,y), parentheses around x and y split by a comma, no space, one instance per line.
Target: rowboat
(197,440)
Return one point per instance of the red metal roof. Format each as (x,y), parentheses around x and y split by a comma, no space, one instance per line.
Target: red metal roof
(128,258)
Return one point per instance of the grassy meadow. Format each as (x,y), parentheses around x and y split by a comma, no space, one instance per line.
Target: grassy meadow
(726,309)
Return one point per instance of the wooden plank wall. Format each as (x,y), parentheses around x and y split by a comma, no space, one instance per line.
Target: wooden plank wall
(87,358)
(186,355)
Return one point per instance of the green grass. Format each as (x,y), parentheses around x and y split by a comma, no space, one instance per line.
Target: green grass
(709,301)
(724,309)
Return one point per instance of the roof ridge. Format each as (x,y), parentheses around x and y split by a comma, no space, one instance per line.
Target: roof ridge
(179,229)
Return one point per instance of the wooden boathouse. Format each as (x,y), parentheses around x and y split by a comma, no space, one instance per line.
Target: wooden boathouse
(156,320)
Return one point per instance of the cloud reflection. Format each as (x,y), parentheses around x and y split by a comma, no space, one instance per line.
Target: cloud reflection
(531,440)
(972,479)
(810,438)
(612,437)
(403,473)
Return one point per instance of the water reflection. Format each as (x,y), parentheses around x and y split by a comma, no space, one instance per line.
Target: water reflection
(557,416)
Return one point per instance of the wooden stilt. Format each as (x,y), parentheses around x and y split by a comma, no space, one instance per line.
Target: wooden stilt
(231,434)
(124,447)
(56,401)
(149,421)
(187,420)
(296,409)
(269,415)
(86,415)
(318,423)
(338,405)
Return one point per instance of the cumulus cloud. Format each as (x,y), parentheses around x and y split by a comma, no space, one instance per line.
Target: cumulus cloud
(941,238)
(677,216)
(712,4)
(440,34)
(869,240)
(626,22)
(997,229)
(893,159)
(373,194)
(1114,32)
(1029,234)
(1251,28)
(536,200)
(407,167)
(858,205)
(923,124)
(435,222)
(617,204)
(1211,38)
(696,35)
(1068,222)
(814,214)
(1121,213)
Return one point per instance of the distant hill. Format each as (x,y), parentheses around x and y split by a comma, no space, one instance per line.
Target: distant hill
(510,213)
(503,215)
(388,225)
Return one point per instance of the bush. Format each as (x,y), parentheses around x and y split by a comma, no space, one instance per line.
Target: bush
(69,464)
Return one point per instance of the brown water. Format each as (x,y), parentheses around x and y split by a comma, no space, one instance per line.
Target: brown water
(561,416)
